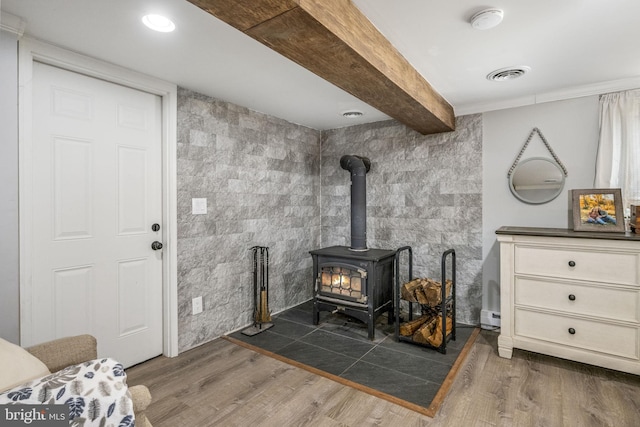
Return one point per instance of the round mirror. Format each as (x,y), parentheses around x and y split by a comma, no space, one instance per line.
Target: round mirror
(536,180)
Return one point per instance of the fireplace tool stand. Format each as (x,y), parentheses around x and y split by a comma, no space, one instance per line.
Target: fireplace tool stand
(261,313)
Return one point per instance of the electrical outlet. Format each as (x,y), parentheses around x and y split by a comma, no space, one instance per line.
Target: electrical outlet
(196,305)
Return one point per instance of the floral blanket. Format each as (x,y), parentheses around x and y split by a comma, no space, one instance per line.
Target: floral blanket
(96,393)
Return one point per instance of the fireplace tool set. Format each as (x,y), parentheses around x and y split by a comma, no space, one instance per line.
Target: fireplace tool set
(261,313)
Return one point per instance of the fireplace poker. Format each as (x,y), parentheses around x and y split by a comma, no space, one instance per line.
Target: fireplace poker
(261,314)
(264,315)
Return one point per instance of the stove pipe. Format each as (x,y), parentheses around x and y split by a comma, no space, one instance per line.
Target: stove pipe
(358,166)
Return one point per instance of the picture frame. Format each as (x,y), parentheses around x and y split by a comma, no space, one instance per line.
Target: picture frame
(598,210)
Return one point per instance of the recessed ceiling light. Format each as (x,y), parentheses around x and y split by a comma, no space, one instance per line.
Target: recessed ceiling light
(486,19)
(508,73)
(159,23)
(352,114)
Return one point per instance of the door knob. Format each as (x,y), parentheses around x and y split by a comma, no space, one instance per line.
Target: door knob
(156,245)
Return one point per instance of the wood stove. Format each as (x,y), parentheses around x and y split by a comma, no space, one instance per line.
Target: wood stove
(357,281)
(358,284)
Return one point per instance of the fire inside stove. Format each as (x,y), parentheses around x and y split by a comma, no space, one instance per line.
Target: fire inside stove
(344,282)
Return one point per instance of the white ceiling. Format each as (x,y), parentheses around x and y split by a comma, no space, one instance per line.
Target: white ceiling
(574,48)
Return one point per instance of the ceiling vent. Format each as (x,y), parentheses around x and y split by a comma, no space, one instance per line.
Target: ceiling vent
(508,73)
(352,114)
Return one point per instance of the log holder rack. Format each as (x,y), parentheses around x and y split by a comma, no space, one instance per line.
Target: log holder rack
(447,306)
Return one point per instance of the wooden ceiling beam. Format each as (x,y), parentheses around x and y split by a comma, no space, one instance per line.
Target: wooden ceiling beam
(335,41)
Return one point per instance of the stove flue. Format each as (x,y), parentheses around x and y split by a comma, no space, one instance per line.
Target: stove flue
(358,166)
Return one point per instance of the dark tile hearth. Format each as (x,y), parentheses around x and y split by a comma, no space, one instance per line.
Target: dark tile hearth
(339,345)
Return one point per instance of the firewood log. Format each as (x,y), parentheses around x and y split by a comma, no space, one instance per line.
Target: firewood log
(424,291)
(433,291)
(425,331)
(407,292)
(408,328)
(435,339)
(421,296)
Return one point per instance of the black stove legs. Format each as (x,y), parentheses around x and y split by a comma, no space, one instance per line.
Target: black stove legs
(366,314)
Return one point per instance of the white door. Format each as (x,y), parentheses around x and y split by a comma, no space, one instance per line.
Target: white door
(97,192)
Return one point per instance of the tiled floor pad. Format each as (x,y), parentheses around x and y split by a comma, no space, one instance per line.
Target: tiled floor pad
(338,345)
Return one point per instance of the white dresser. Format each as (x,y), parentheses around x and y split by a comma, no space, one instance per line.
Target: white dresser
(574,295)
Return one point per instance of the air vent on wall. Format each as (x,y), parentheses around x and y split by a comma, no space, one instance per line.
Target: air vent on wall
(508,73)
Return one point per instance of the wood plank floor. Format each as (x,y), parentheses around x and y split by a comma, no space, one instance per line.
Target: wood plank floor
(223,384)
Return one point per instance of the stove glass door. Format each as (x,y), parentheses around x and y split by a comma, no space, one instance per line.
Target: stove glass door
(343,282)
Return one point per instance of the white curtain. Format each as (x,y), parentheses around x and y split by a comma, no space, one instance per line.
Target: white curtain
(618,159)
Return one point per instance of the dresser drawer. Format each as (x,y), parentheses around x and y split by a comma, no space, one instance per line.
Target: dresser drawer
(599,301)
(606,267)
(589,335)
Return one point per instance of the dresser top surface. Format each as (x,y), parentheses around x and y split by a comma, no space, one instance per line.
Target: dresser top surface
(565,232)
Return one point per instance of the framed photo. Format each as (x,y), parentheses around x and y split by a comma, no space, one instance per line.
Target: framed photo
(598,209)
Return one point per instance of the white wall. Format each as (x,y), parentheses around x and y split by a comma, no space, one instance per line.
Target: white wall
(9,288)
(571,128)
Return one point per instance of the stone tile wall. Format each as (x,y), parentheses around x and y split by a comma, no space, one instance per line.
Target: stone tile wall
(261,178)
(272,183)
(422,191)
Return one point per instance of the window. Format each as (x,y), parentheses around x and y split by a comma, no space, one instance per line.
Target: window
(618,158)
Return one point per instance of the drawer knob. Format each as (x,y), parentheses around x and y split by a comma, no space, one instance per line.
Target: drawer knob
(572,331)
(572,263)
(572,297)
